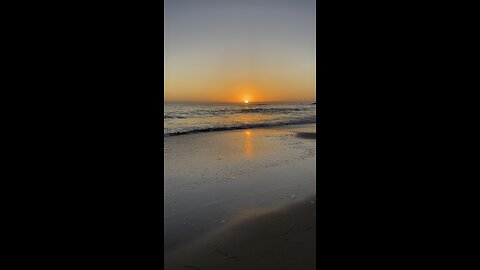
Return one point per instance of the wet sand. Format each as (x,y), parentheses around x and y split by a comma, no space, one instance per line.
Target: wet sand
(280,239)
(242,199)
(307,135)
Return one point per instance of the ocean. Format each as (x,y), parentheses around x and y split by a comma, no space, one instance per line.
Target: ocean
(181,119)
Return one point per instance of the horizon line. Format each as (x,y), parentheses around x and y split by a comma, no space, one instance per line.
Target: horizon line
(251,102)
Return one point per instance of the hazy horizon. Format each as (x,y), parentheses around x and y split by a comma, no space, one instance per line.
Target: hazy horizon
(227,51)
(235,102)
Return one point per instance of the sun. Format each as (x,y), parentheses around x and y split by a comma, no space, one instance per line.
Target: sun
(246,101)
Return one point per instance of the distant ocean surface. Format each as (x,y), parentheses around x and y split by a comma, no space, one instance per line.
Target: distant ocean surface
(181,119)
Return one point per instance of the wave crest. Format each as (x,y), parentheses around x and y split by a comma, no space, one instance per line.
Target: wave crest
(239,126)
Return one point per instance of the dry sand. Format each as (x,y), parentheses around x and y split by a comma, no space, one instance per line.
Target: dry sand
(241,199)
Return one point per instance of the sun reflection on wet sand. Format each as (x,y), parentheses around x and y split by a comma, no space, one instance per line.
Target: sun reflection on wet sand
(249,152)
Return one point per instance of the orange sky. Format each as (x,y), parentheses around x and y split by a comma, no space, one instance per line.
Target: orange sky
(229,51)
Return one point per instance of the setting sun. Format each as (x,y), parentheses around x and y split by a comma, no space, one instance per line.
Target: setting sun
(246,101)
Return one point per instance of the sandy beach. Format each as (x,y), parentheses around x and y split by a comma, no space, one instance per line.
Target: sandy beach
(241,199)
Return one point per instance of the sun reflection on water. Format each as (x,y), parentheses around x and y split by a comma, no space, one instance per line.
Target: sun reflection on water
(249,152)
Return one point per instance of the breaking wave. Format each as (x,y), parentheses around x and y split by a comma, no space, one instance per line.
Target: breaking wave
(189,130)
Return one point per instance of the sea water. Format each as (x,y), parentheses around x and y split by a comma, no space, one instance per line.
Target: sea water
(183,118)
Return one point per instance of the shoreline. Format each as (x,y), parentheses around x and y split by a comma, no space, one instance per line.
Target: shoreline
(208,130)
